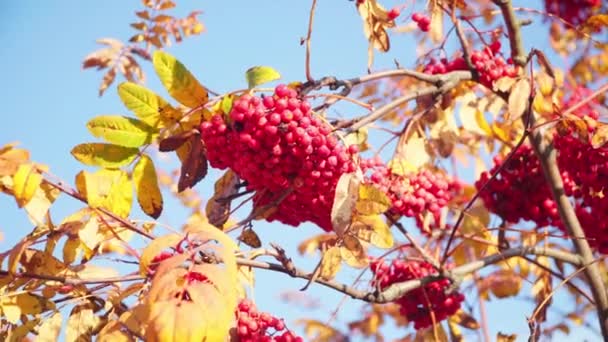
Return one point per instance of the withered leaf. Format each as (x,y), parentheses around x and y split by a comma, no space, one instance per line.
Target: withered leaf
(194,168)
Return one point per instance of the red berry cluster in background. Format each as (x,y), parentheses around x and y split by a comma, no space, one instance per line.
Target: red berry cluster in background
(275,144)
(254,326)
(576,95)
(574,12)
(520,192)
(394,13)
(424,303)
(423,21)
(412,195)
(488,62)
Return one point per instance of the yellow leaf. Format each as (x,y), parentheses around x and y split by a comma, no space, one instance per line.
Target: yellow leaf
(13,306)
(112,332)
(504,283)
(314,243)
(600,136)
(436,25)
(39,205)
(11,158)
(259,75)
(104,155)
(89,234)
(81,323)
(122,130)
(319,331)
(500,337)
(25,182)
(464,319)
(145,104)
(154,248)
(412,150)
(146,184)
(518,99)
(358,138)
(373,228)
(371,200)
(178,81)
(345,200)
(109,189)
(330,264)
(353,252)
(50,328)
(70,250)
(41,263)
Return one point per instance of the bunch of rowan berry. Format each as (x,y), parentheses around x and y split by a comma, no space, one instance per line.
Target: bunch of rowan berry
(423,21)
(287,155)
(433,301)
(520,192)
(488,62)
(255,326)
(414,194)
(574,12)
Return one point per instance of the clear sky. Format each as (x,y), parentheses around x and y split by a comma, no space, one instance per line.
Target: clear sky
(47,99)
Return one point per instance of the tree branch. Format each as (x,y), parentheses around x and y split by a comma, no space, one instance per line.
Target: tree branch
(398,290)
(548,160)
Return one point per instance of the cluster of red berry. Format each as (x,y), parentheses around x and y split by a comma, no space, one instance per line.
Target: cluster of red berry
(575,12)
(281,150)
(423,21)
(488,62)
(576,95)
(431,302)
(412,195)
(254,326)
(520,191)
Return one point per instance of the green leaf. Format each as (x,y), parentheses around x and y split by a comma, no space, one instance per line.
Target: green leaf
(122,130)
(178,81)
(261,74)
(146,184)
(104,155)
(144,103)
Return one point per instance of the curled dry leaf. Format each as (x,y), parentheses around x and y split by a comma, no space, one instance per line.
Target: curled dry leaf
(218,206)
(519,99)
(194,168)
(375,23)
(345,200)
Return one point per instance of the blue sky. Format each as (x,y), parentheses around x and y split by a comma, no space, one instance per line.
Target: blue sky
(47,98)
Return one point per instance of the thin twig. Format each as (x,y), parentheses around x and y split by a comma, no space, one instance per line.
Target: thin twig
(308,39)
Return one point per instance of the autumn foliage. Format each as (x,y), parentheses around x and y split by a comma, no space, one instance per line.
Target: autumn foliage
(495,188)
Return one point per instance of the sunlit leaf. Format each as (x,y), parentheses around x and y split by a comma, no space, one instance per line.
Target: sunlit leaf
(373,229)
(50,328)
(11,158)
(519,99)
(259,75)
(109,189)
(372,200)
(331,262)
(314,243)
(146,184)
(353,253)
(154,248)
(26,181)
(600,136)
(81,323)
(144,103)
(121,130)
(104,155)
(13,306)
(178,81)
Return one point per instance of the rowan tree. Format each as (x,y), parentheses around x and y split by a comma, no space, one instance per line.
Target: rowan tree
(474,175)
